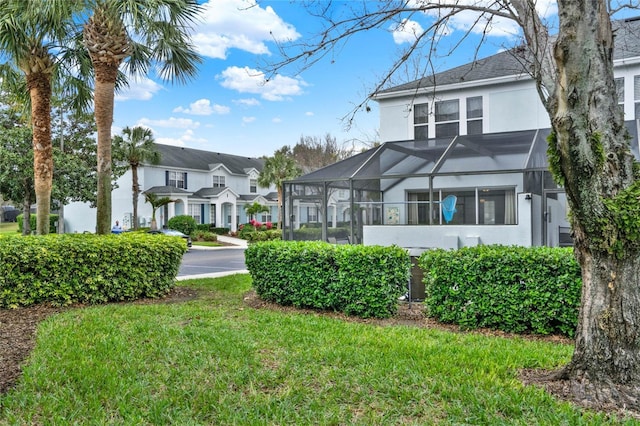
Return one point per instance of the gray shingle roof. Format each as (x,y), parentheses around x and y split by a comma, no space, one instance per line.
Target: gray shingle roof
(167,190)
(189,158)
(514,62)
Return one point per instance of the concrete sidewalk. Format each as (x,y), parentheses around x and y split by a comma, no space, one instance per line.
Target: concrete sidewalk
(236,243)
(211,275)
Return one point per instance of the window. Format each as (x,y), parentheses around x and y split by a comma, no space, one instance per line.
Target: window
(473,206)
(636,96)
(212,214)
(418,208)
(265,217)
(253,185)
(447,116)
(218,182)
(177,179)
(312,214)
(195,211)
(421,121)
(474,115)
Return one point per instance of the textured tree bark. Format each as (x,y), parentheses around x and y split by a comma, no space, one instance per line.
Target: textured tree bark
(103,103)
(135,190)
(40,93)
(592,155)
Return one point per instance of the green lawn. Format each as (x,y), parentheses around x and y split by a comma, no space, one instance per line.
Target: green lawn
(8,228)
(215,360)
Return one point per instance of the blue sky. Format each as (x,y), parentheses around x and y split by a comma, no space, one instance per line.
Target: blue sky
(228,108)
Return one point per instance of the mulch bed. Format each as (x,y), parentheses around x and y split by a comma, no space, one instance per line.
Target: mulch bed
(18,327)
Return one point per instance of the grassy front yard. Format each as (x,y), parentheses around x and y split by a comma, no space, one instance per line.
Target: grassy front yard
(214,360)
(8,228)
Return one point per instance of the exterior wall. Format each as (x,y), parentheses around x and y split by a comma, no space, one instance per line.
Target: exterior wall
(453,236)
(506,107)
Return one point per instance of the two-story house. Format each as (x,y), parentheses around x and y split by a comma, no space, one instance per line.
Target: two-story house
(211,187)
(463,160)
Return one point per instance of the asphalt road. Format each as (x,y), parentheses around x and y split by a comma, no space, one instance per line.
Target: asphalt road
(220,260)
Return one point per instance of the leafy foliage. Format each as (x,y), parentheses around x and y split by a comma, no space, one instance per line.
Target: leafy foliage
(514,289)
(69,268)
(183,223)
(365,281)
(53,220)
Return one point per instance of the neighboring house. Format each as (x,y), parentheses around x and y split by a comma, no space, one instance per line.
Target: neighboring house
(211,187)
(463,161)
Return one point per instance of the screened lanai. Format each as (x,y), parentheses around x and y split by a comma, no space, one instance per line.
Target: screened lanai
(449,192)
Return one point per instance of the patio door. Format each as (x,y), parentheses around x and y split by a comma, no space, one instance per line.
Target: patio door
(556,230)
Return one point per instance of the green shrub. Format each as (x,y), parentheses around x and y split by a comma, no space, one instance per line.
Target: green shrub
(359,280)
(183,223)
(208,227)
(199,235)
(53,222)
(86,268)
(514,289)
(269,235)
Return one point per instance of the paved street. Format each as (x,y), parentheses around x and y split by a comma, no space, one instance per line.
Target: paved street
(212,262)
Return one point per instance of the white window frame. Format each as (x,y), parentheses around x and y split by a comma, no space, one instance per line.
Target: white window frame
(253,186)
(195,211)
(421,121)
(218,181)
(440,121)
(176,179)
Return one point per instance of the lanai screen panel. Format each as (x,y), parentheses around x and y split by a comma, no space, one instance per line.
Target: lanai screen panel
(488,153)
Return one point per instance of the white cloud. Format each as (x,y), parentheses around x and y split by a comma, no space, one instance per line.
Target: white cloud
(247,120)
(407,32)
(203,107)
(187,138)
(173,123)
(139,89)
(309,114)
(248,102)
(499,27)
(239,24)
(247,80)
(276,120)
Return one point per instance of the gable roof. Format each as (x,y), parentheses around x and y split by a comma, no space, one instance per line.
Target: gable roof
(189,158)
(515,62)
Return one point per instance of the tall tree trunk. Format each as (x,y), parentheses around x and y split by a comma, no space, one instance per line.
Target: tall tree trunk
(26,214)
(280,202)
(135,192)
(40,92)
(103,104)
(591,154)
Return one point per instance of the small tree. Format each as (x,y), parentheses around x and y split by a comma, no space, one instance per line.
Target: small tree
(276,170)
(136,146)
(255,208)
(156,202)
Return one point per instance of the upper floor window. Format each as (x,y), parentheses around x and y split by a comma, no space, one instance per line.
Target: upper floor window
(474,115)
(636,96)
(176,179)
(265,217)
(447,118)
(421,121)
(253,185)
(218,182)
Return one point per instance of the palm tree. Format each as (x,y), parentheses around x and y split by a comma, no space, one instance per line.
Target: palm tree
(34,40)
(255,208)
(156,202)
(136,146)
(276,170)
(161,29)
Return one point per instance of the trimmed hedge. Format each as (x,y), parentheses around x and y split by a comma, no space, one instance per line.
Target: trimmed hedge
(85,268)
(208,227)
(514,289)
(365,281)
(183,223)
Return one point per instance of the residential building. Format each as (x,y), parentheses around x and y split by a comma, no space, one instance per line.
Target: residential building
(211,187)
(463,161)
